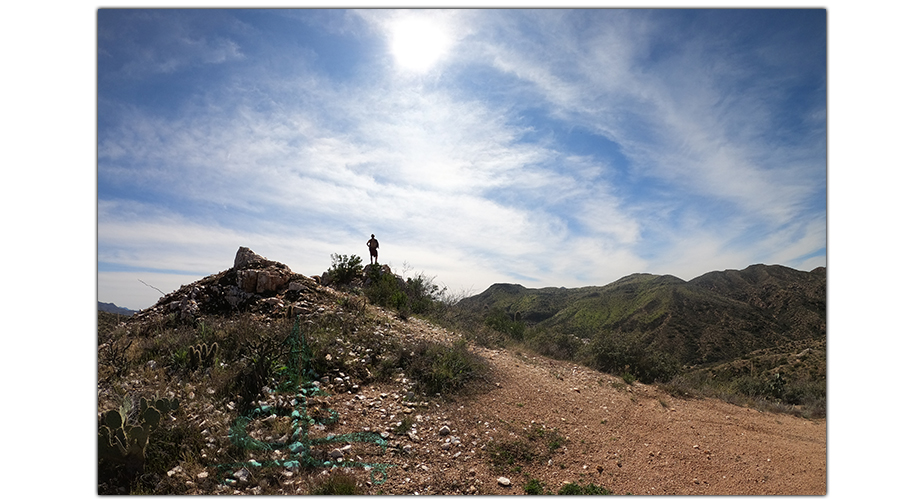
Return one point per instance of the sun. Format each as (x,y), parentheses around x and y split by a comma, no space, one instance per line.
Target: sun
(417,43)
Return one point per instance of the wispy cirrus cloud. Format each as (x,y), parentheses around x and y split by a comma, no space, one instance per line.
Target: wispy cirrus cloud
(630,141)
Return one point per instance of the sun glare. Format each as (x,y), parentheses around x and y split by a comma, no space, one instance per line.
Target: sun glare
(418,43)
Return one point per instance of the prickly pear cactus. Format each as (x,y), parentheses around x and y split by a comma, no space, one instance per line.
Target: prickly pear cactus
(120,442)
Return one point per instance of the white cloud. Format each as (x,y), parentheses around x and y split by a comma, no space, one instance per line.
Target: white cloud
(684,126)
(298,167)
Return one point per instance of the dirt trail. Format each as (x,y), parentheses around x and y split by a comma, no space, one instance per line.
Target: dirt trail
(647,442)
(628,438)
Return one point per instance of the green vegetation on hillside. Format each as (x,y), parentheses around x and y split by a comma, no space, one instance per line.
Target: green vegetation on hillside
(703,337)
(413,295)
(228,364)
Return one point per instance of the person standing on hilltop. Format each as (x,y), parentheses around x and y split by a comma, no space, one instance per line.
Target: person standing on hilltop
(373,250)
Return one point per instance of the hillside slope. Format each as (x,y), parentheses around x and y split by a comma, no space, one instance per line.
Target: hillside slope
(716,317)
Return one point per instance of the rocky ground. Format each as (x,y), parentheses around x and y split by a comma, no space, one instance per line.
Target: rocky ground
(628,438)
(532,420)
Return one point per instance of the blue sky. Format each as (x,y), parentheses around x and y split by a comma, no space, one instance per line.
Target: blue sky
(541,147)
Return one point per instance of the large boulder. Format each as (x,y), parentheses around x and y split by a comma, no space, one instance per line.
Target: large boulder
(270,279)
(248,258)
(256,274)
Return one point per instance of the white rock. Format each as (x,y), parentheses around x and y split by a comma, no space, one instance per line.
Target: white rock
(503,481)
(242,475)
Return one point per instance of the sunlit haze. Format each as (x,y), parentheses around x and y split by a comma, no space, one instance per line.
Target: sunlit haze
(418,42)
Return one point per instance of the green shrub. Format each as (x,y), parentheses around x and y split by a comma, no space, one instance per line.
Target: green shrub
(438,368)
(344,268)
(337,483)
(534,487)
(752,386)
(424,295)
(399,301)
(504,453)
(539,444)
(577,489)
(551,438)
(404,426)
(554,344)
(621,354)
(499,320)
(381,287)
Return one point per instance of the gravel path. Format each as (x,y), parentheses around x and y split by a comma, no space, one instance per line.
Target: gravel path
(628,438)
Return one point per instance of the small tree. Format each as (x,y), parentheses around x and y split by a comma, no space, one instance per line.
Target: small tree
(343,268)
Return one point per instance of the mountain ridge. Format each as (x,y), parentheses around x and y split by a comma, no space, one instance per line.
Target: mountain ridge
(715,317)
(112,308)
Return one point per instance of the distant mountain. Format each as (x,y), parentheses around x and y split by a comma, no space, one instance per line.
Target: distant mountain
(716,317)
(112,308)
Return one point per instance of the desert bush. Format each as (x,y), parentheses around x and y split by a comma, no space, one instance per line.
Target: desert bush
(554,344)
(453,318)
(752,386)
(256,363)
(539,443)
(337,483)
(404,426)
(384,289)
(621,355)
(506,453)
(441,369)
(577,489)
(424,295)
(534,487)
(552,439)
(416,295)
(805,391)
(179,442)
(759,391)
(112,357)
(344,268)
(500,321)
(332,339)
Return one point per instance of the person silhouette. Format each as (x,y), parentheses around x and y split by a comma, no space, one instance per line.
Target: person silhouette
(373,250)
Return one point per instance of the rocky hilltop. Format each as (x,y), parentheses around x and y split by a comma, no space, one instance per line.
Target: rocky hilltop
(254,285)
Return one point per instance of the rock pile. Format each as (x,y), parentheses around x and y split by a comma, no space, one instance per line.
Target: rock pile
(254,284)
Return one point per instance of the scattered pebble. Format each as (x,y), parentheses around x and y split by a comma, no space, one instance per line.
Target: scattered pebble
(242,475)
